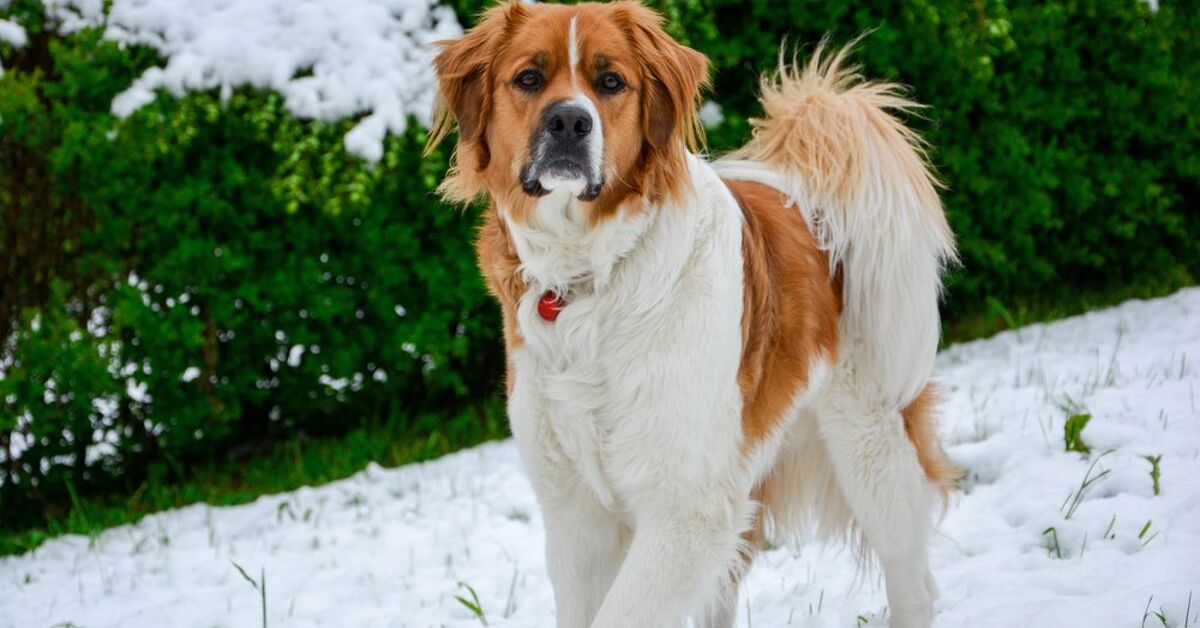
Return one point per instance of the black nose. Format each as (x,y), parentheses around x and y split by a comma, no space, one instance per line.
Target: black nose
(568,122)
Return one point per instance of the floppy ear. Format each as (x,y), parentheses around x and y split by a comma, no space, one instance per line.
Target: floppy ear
(465,79)
(673,77)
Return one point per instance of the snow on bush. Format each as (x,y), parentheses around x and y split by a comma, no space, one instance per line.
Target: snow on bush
(711,114)
(329,59)
(11,33)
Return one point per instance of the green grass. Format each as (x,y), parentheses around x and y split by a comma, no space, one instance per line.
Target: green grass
(285,467)
(1075,498)
(473,603)
(1052,544)
(313,461)
(1155,472)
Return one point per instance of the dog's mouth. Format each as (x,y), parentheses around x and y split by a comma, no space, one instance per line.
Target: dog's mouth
(565,157)
(562,173)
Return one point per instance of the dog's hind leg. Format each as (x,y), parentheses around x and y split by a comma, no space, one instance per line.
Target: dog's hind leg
(891,498)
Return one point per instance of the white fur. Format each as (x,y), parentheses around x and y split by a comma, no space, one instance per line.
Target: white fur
(552,182)
(573,50)
(558,249)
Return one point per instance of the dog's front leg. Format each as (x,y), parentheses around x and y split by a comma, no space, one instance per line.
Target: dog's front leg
(584,540)
(679,561)
(583,552)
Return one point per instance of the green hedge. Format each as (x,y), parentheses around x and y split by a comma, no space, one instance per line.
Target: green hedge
(212,237)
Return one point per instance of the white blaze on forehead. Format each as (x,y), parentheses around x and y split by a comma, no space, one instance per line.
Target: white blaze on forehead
(573,48)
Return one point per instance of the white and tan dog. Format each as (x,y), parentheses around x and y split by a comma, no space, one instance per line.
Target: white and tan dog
(700,353)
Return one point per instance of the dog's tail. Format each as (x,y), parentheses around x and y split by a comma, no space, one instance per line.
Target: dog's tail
(863,182)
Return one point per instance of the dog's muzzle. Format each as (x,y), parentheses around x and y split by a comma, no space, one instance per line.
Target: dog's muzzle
(566,153)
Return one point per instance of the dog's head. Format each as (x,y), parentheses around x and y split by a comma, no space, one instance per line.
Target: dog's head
(594,99)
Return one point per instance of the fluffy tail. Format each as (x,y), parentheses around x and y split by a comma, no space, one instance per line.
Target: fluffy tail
(863,182)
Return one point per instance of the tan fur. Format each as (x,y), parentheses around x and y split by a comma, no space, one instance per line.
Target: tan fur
(465,94)
(672,78)
(500,266)
(647,127)
(920,424)
(790,309)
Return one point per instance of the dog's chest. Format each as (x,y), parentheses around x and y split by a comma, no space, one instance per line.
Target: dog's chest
(569,371)
(577,379)
(580,377)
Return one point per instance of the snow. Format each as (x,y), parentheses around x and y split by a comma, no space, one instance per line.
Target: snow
(74,15)
(711,114)
(12,34)
(391,547)
(295,355)
(329,59)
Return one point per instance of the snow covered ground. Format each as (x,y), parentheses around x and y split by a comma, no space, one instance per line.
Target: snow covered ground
(1021,545)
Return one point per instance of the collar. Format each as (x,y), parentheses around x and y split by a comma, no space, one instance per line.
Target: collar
(550,305)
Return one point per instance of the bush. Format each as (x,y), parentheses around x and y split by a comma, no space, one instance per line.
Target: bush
(210,275)
(207,276)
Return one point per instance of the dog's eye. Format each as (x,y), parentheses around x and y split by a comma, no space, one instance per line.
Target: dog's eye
(610,83)
(529,80)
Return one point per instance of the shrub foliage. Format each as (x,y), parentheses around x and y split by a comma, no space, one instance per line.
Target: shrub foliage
(207,275)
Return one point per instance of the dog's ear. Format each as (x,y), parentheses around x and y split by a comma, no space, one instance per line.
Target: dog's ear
(673,77)
(464,71)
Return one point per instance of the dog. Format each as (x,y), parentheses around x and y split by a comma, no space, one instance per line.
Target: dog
(702,355)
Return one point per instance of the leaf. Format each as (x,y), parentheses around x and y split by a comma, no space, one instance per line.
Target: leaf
(1073,433)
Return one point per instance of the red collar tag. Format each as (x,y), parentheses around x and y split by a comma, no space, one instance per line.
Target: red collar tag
(550,305)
